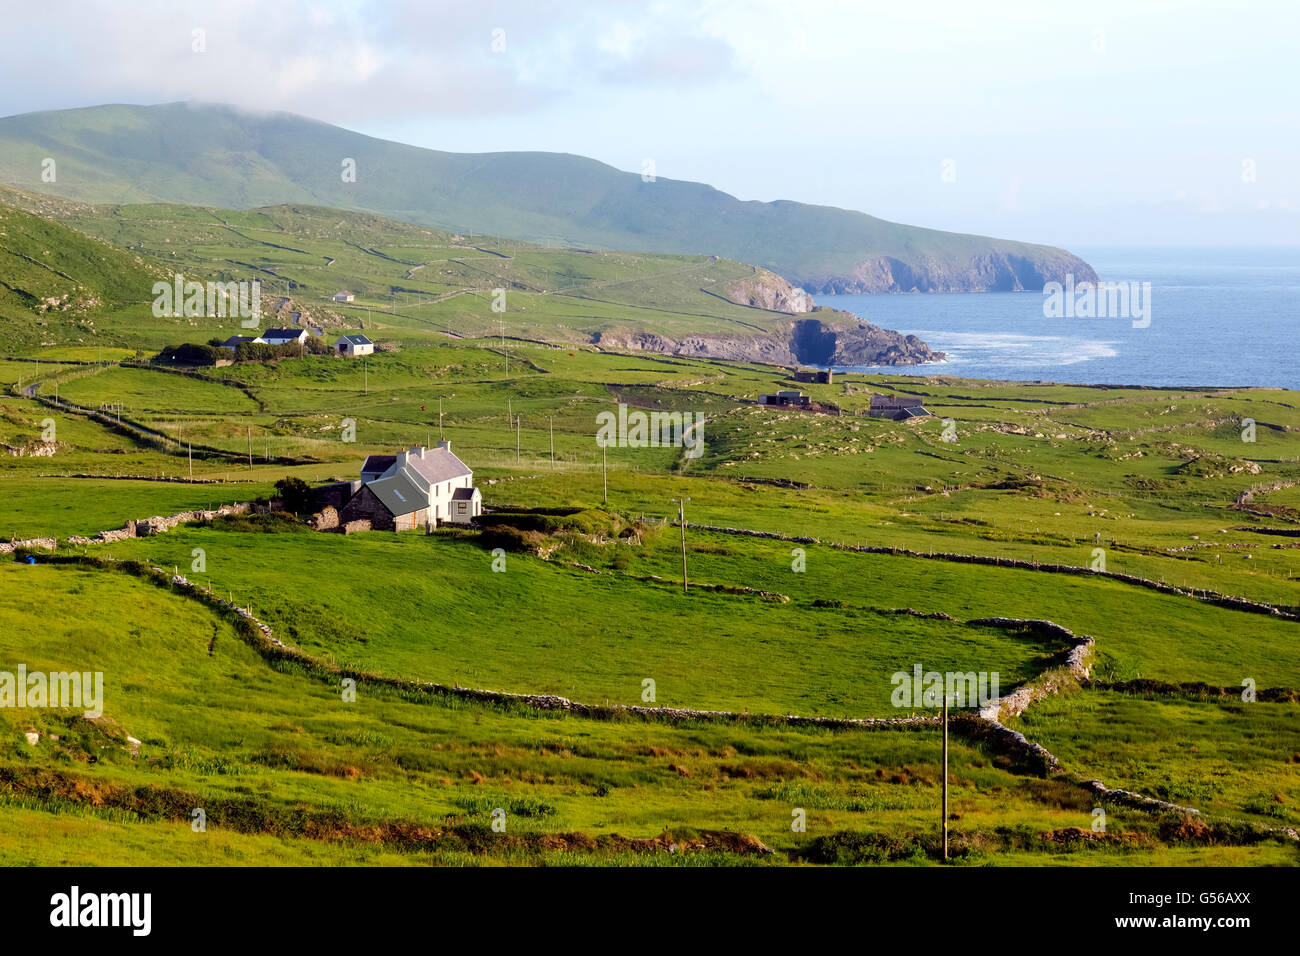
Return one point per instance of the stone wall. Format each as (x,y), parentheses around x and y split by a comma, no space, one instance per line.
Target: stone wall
(142,527)
(335,495)
(45,544)
(327,519)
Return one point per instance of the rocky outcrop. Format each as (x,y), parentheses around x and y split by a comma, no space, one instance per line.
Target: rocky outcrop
(992,271)
(839,340)
(767,290)
(35,449)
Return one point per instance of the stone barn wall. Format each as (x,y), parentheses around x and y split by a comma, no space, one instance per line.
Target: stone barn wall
(335,495)
(366,506)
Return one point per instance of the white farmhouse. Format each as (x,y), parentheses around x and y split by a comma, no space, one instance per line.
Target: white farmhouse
(354,345)
(283,337)
(423,485)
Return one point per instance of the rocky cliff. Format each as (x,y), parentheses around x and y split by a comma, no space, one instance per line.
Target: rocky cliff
(994,271)
(834,338)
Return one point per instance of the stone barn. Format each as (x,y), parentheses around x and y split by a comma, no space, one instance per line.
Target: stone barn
(898,407)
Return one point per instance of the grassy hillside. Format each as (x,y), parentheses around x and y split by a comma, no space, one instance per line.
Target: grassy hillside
(57,283)
(219,156)
(411,283)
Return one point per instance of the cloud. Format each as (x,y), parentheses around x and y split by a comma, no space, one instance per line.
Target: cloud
(672,61)
(350,61)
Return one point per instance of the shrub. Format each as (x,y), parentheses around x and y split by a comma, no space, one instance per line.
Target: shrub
(296,494)
(511,540)
(189,354)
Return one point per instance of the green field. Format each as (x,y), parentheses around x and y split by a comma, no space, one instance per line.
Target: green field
(865,548)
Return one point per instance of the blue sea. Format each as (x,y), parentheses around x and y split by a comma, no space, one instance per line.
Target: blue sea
(1217,317)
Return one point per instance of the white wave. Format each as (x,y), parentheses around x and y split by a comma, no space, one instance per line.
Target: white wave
(1009,349)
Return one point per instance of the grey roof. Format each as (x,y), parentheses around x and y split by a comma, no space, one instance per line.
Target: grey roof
(235,340)
(461,494)
(399,494)
(914,411)
(895,401)
(282,333)
(355,340)
(378,463)
(438,464)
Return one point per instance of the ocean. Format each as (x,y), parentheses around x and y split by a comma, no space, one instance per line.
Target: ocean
(1217,317)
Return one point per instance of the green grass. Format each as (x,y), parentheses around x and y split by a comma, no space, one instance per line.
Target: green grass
(1040,473)
(220,728)
(1220,756)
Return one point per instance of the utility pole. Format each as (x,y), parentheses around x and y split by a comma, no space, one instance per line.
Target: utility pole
(518,426)
(189,452)
(681,520)
(441,436)
(552,420)
(604,474)
(365,372)
(945,778)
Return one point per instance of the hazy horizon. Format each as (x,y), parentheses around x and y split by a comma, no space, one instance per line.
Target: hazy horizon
(1118,125)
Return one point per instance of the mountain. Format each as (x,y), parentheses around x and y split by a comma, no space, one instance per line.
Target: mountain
(226,157)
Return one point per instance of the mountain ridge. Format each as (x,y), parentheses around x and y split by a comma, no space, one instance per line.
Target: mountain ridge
(223,156)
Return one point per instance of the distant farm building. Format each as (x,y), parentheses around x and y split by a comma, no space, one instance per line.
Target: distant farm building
(784,398)
(353,345)
(235,341)
(344,296)
(815,376)
(282,337)
(416,488)
(898,407)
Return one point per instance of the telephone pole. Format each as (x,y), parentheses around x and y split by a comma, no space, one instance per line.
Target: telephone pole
(681,520)
(552,420)
(945,778)
(604,474)
(441,436)
(518,426)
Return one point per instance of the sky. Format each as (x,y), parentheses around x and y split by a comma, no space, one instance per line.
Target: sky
(1081,124)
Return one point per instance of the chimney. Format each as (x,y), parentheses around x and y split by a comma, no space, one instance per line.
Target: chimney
(417,451)
(445,444)
(401,458)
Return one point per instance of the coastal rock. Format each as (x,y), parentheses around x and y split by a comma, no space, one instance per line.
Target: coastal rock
(767,290)
(839,340)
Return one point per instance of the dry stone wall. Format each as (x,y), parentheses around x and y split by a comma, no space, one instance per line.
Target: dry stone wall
(143,527)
